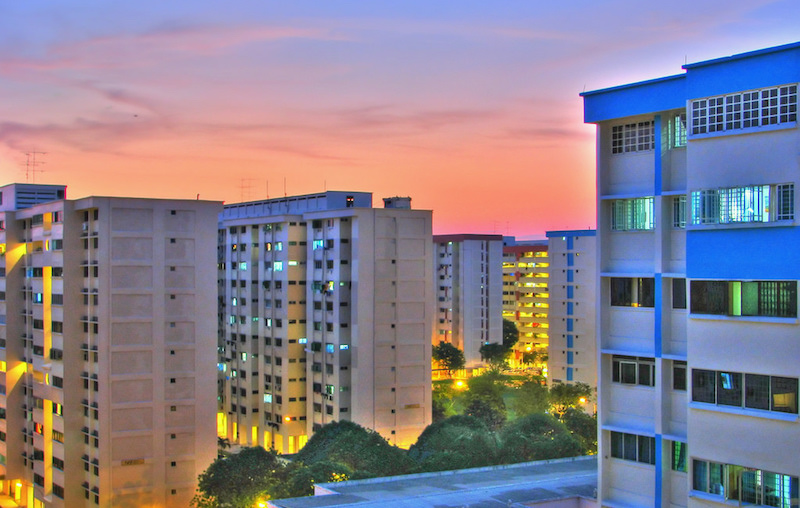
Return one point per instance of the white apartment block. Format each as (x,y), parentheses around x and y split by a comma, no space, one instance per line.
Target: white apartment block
(469,285)
(699,263)
(107,337)
(326,314)
(573,272)
(526,295)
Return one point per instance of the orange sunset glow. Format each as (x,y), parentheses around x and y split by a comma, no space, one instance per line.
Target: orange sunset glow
(470,108)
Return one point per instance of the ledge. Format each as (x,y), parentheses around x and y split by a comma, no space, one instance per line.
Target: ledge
(753,319)
(740,411)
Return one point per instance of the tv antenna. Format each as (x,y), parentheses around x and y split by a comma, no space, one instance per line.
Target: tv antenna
(31,166)
(246,189)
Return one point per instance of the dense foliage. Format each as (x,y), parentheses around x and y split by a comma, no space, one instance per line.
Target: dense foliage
(448,357)
(365,452)
(473,428)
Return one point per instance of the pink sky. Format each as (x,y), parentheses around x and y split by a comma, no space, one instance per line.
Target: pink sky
(471,108)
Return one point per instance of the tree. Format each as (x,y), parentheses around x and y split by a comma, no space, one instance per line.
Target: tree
(494,354)
(563,396)
(491,384)
(443,401)
(491,413)
(583,428)
(300,479)
(484,399)
(537,437)
(532,357)
(448,357)
(510,334)
(531,397)
(239,479)
(456,442)
(365,452)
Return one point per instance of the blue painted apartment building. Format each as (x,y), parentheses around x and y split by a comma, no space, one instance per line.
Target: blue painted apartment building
(698,264)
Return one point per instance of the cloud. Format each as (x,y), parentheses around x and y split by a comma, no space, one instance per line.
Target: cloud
(550,133)
(161,44)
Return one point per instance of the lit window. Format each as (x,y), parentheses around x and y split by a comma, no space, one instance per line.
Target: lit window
(277,266)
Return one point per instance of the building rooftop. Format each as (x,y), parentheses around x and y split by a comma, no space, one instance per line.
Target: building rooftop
(466,236)
(490,487)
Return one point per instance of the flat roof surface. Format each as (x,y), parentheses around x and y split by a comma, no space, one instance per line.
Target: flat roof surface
(490,487)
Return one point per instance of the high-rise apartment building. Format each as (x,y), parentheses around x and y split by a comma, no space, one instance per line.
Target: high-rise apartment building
(572,351)
(326,314)
(107,336)
(469,289)
(526,294)
(699,262)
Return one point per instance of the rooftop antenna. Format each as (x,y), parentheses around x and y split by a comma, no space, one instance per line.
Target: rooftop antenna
(284,187)
(31,166)
(246,189)
(267,189)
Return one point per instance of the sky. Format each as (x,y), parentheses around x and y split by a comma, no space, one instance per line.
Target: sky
(471,108)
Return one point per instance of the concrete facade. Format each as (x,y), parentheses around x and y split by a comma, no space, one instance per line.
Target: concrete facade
(326,313)
(698,273)
(573,271)
(107,340)
(469,292)
(526,296)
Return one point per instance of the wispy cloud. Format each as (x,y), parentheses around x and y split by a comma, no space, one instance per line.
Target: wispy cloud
(157,45)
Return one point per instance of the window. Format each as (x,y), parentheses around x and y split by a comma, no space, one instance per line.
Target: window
(633,447)
(677,130)
(678,293)
(635,214)
(632,292)
(745,110)
(679,375)
(679,456)
(679,212)
(633,137)
(744,298)
(784,197)
(744,485)
(743,204)
(732,205)
(632,370)
(751,391)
